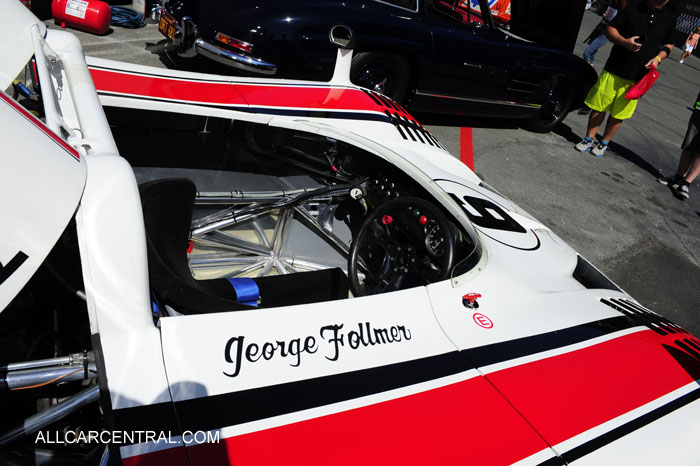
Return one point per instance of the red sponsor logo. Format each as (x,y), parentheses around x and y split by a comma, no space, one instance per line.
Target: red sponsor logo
(482,321)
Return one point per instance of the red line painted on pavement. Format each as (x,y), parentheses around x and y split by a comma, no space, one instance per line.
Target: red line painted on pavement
(466,147)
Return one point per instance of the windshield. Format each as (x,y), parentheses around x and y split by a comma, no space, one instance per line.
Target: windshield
(466,12)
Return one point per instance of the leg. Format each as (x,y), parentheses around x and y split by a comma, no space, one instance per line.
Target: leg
(592,49)
(594,121)
(693,166)
(689,167)
(611,128)
(684,164)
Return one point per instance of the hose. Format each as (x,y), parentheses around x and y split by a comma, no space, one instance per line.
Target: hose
(126,18)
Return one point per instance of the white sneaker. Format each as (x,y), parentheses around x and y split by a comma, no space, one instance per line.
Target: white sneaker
(681,62)
(600,149)
(585,145)
(683,191)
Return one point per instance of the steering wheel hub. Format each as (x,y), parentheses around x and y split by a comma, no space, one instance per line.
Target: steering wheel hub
(401,253)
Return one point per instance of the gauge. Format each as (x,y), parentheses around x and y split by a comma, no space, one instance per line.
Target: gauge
(434,240)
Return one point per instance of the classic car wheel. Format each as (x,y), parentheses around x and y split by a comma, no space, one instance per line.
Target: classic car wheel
(405,242)
(554,109)
(381,72)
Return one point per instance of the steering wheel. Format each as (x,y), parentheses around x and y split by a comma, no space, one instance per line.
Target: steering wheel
(404,242)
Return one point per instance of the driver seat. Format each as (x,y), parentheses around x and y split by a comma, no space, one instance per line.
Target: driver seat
(168,205)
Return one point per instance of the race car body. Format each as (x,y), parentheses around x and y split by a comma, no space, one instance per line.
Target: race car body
(212,270)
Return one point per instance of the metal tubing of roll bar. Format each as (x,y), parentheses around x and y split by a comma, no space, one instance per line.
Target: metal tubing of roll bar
(46,375)
(307,196)
(74,358)
(52,117)
(51,415)
(240,197)
(307,265)
(334,241)
(216,225)
(18,366)
(224,261)
(219,239)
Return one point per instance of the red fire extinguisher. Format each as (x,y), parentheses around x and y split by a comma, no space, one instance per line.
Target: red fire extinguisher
(87,15)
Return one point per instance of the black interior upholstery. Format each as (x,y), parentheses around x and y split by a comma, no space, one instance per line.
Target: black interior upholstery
(168,205)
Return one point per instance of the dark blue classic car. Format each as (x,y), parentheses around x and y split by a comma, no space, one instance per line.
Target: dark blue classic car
(444,56)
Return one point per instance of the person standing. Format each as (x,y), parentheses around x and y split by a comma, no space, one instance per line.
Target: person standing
(597,37)
(642,35)
(690,43)
(689,164)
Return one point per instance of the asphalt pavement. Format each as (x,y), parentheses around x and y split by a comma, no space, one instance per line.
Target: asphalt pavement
(610,209)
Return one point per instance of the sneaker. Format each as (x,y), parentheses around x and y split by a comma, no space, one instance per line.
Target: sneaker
(681,62)
(672,181)
(585,145)
(600,150)
(683,191)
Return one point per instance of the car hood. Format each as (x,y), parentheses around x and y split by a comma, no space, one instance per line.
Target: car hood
(16,40)
(41,183)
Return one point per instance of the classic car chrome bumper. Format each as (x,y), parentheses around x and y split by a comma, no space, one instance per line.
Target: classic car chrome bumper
(190,44)
(233,59)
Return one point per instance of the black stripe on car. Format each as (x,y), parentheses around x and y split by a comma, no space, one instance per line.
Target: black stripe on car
(228,409)
(12,266)
(212,412)
(409,127)
(627,428)
(499,352)
(650,319)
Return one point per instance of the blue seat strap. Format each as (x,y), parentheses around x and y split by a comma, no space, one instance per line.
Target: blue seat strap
(246,289)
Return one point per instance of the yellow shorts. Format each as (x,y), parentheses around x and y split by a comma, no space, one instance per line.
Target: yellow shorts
(608,95)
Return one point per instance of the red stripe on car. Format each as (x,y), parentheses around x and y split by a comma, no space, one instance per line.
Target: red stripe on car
(331,98)
(560,396)
(40,125)
(566,395)
(176,89)
(462,423)
(254,95)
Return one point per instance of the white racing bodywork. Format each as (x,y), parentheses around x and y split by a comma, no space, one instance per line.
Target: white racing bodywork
(41,182)
(552,363)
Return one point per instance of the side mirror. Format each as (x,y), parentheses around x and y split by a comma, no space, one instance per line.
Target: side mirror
(342,37)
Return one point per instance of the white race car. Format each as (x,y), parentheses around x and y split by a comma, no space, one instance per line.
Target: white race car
(201,270)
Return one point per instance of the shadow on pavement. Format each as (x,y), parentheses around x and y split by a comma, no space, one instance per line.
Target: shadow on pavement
(566,132)
(631,156)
